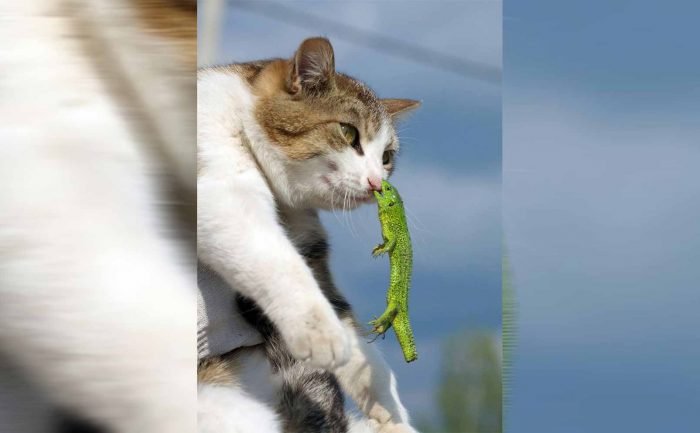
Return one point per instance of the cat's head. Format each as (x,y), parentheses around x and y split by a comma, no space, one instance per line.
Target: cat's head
(336,138)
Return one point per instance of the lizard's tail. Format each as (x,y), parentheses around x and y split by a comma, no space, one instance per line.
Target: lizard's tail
(404,333)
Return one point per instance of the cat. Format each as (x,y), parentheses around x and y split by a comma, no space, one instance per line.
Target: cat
(97,207)
(278,140)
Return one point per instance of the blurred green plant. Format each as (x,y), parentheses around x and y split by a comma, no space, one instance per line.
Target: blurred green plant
(469,395)
(475,374)
(508,332)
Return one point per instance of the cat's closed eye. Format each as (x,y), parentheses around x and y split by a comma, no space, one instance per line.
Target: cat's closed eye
(351,135)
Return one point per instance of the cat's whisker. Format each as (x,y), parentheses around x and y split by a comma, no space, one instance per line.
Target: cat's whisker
(415,221)
(342,210)
(333,207)
(351,205)
(408,138)
(419,231)
(346,209)
(346,224)
(342,221)
(416,226)
(352,221)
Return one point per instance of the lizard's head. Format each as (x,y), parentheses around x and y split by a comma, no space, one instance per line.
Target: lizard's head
(388,196)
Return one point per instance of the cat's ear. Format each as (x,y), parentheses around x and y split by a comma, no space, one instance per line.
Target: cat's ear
(312,67)
(399,107)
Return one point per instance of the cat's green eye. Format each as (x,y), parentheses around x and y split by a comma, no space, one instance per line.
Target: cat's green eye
(350,133)
(387,157)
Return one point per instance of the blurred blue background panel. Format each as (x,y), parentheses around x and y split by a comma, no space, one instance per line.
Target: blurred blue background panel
(449,169)
(601,188)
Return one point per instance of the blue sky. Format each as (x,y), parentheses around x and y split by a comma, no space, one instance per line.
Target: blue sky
(449,171)
(601,194)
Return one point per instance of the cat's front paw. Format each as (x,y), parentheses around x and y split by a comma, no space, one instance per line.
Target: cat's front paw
(318,337)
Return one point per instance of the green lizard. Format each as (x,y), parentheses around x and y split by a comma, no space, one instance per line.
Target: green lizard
(397,243)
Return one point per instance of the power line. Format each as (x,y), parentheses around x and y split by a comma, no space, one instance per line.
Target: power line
(373,40)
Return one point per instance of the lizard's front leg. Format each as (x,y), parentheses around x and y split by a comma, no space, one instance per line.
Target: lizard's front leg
(386,247)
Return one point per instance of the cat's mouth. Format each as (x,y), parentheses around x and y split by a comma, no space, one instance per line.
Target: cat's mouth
(369,198)
(361,198)
(344,196)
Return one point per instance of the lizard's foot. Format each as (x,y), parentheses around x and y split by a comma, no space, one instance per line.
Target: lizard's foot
(383,323)
(379,250)
(371,323)
(379,327)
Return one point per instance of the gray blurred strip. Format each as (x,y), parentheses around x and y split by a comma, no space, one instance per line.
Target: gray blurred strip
(208,31)
(373,40)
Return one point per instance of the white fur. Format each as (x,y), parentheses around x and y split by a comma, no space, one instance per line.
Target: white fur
(231,410)
(151,68)
(240,237)
(83,256)
(247,406)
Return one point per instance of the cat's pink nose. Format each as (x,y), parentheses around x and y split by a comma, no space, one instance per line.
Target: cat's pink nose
(375,183)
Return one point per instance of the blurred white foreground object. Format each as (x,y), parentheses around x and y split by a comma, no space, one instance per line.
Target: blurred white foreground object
(97,306)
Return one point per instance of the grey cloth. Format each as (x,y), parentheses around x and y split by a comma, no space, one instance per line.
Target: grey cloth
(220,327)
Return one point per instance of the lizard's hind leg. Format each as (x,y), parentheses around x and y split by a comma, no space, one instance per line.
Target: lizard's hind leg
(383,323)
